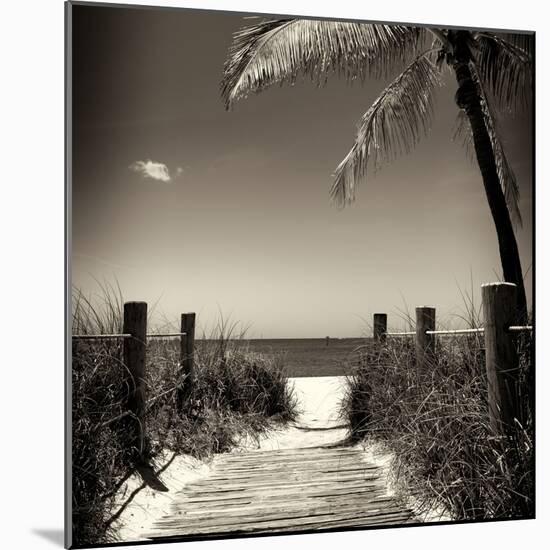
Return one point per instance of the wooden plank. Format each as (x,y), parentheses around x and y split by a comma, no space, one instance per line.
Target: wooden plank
(425,343)
(235,521)
(379,327)
(284,490)
(319,468)
(271,499)
(187,347)
(297,452)
(323,520)
(262,510)
(281,467)
(250,506)
(367,494)
(225,486)
(273,489)
(198,498)
(501,360)
(134,354)
(293,474)
(252,462)
(205,488)
(359,522)
(270,522)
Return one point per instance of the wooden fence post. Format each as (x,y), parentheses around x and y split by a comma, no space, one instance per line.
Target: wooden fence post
(501,361)
(187,351)
(425,343)
(380,327)
(135,323)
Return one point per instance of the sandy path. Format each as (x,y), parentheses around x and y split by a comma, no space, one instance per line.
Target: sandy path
(318,424)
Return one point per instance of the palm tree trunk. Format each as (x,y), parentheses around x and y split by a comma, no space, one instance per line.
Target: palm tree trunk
(468,99)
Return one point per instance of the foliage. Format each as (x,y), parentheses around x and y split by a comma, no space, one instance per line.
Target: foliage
(280,51)
(435,423)
(235,393)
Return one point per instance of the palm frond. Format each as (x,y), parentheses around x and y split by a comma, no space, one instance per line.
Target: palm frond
(463,132)
(279,51)
(505,69)
(522,40)
(505,172)
(392,126)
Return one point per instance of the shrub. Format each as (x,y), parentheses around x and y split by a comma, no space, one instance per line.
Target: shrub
(235,393)
(436,425)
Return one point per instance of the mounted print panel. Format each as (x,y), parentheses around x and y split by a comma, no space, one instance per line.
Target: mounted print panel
(301,274)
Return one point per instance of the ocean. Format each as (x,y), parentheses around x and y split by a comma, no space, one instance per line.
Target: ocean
(310,356)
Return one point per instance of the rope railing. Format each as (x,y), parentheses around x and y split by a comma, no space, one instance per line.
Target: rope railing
(167,335)
(502,364)
(480,330)
(524,328)
(457,331)
(99,336)
(114,336)
(135,335)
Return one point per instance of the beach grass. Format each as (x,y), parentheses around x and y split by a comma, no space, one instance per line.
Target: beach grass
(236,392)
(434,422)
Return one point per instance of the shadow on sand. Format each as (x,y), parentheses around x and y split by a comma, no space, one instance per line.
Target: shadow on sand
(150,477)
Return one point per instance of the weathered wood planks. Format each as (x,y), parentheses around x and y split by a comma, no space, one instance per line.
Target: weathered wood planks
(292,490)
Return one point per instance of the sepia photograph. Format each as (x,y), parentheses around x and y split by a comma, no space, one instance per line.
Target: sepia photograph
(300,274)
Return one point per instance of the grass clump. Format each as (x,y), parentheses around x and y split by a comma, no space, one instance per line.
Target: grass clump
(435,423)
(235,393)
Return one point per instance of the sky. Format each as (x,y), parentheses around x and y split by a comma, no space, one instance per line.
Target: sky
(192,208)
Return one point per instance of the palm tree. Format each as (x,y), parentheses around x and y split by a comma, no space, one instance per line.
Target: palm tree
(493,73)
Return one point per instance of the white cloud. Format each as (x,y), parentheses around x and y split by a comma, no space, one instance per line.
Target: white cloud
(150,169)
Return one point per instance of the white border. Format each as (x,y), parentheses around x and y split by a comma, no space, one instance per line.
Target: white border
(32,235)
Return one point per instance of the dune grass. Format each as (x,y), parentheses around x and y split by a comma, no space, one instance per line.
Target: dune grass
(435,425)
(235,393)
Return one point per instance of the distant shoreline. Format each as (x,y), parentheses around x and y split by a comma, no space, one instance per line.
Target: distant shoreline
(321,338)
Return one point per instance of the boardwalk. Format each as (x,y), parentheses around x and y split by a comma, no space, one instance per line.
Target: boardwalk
(290,490)
(294,485)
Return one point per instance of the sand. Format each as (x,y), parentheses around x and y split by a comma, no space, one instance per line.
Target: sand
(149,504)
(319,423)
